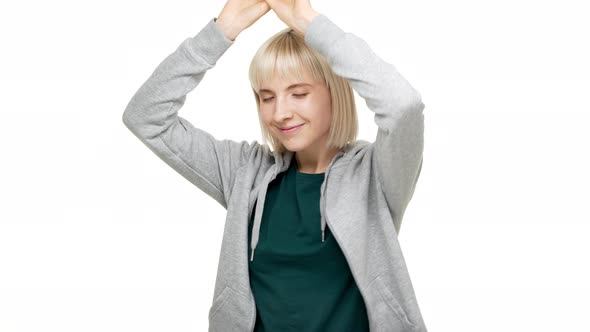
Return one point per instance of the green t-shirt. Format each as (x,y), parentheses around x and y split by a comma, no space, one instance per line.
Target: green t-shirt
(299,282)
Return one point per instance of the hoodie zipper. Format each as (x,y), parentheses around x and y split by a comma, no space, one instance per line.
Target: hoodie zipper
(345,256)
(344,252)
(253,320)
(253,301)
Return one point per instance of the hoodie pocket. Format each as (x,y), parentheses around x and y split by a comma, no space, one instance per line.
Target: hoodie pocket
(230,311)
(219,302)
(389,314)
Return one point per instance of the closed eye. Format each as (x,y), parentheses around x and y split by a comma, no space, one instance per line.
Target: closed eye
(296,95)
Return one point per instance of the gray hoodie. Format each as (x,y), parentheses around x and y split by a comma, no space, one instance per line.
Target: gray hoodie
(366,189)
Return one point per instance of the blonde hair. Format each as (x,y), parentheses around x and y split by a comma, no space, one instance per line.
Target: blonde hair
(288,54)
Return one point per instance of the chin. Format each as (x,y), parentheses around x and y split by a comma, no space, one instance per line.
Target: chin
(293,146)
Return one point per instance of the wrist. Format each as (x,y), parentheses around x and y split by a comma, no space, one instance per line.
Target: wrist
(305,20)
(229,31)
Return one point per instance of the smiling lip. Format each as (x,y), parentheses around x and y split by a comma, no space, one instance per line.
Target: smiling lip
(291,129)
(288,128)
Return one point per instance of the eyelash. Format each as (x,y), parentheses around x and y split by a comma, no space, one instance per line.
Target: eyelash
(297,95)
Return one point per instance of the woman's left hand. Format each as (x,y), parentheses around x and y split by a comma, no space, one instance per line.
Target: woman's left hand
(297,14)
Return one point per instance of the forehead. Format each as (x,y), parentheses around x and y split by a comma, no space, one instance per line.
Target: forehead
(286,80)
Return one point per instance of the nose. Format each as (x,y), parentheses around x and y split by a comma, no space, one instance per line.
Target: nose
(282,111)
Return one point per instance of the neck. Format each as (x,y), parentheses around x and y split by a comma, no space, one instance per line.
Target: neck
(314,162)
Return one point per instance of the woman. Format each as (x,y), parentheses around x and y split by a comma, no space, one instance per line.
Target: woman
(310,240)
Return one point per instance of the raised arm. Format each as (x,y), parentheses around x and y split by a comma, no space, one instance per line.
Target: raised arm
(151,114)
(398,148)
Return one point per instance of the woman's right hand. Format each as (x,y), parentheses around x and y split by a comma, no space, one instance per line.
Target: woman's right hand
(237,15)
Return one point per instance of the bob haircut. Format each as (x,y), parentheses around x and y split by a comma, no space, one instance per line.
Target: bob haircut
(287,52)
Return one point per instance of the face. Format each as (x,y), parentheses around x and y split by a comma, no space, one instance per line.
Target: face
(307,104)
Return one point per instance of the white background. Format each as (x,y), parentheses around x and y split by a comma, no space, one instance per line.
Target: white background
(98,234)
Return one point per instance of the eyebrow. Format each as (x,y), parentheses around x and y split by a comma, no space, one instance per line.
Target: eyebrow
(288,88)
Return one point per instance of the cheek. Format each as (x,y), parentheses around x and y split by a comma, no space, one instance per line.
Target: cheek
(265,116)
(322,114)
(322,107)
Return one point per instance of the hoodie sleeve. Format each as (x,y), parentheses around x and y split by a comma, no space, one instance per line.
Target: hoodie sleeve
(152,116)
(398,148)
